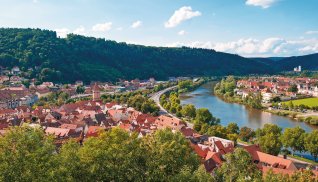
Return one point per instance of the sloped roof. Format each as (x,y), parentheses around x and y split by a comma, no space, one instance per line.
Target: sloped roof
(58,132)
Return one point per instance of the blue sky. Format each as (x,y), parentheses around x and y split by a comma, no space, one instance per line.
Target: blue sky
(246,27)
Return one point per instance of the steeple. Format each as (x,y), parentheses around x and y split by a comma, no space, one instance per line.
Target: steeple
(96,92)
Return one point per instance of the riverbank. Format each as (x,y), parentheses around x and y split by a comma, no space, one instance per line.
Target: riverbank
(227,91)
(311,119)
(204,97)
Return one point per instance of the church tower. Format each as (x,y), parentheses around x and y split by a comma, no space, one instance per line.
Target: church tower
(96,92)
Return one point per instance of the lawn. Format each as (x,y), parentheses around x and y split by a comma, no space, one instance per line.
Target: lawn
(308,102)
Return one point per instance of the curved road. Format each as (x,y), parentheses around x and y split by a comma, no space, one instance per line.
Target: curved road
(163,111)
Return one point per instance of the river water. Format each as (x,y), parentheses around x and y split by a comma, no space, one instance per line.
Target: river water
(230,112)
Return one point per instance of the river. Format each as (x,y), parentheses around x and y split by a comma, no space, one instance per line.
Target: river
(230,112)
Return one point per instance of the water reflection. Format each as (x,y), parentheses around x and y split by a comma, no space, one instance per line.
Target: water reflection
(230,112)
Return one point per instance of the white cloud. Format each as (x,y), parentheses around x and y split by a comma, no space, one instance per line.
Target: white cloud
(310,32)
(62,32)
(263,3)
(35,1)
(119,28)
(80,31)
(136,24)
(272,46)
(180,15)
(102,27)
(182,32)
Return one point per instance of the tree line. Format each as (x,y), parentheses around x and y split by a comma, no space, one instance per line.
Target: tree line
(225,90)
(27,154)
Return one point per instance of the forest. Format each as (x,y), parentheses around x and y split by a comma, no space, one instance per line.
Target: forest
(41,54)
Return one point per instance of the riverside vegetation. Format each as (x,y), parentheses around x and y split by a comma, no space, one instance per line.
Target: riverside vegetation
(270,138)
(225,90)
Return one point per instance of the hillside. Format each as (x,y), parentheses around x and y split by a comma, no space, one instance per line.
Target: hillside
(86,58)
(308,62)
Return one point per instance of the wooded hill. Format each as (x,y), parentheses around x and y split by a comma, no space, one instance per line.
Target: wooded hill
(93,59)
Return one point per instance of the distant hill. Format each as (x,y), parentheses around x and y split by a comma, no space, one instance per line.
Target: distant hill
(307,62)
(266,61)
(91,59)
(276,58)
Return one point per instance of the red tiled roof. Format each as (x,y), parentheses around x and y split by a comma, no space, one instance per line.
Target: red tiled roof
(187,131)
(269,159)
(214,156)
(168,122)
(125,126)
(58,132)
(69,126)
(198,150)
(93,131)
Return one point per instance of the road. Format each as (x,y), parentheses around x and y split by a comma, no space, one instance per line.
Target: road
(87,95)
(163,111)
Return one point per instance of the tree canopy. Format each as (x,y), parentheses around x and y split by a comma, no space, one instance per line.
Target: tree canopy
(86,58)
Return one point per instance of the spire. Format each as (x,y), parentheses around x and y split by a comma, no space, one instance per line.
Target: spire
(96,92)
(96,87)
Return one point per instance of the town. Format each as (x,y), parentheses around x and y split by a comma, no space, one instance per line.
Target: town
(295,97)
(284,88)
(86,118)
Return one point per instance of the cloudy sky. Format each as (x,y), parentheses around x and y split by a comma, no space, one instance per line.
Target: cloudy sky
(245,27)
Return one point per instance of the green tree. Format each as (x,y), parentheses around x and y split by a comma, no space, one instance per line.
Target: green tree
(169,154)
(291,105)
(149,106)
(293,88)
(189,111)
(239,166)
(304,175)
(294,138)
(269,139)
(108,157)
(232,128)
(199,175)
(311,143)
(270,176)
(80,89)
(276,99)
(204,115)
(186,84)
(70,166)
(26,154)
(246,134)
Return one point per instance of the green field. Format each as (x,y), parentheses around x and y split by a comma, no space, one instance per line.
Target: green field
(308,102)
